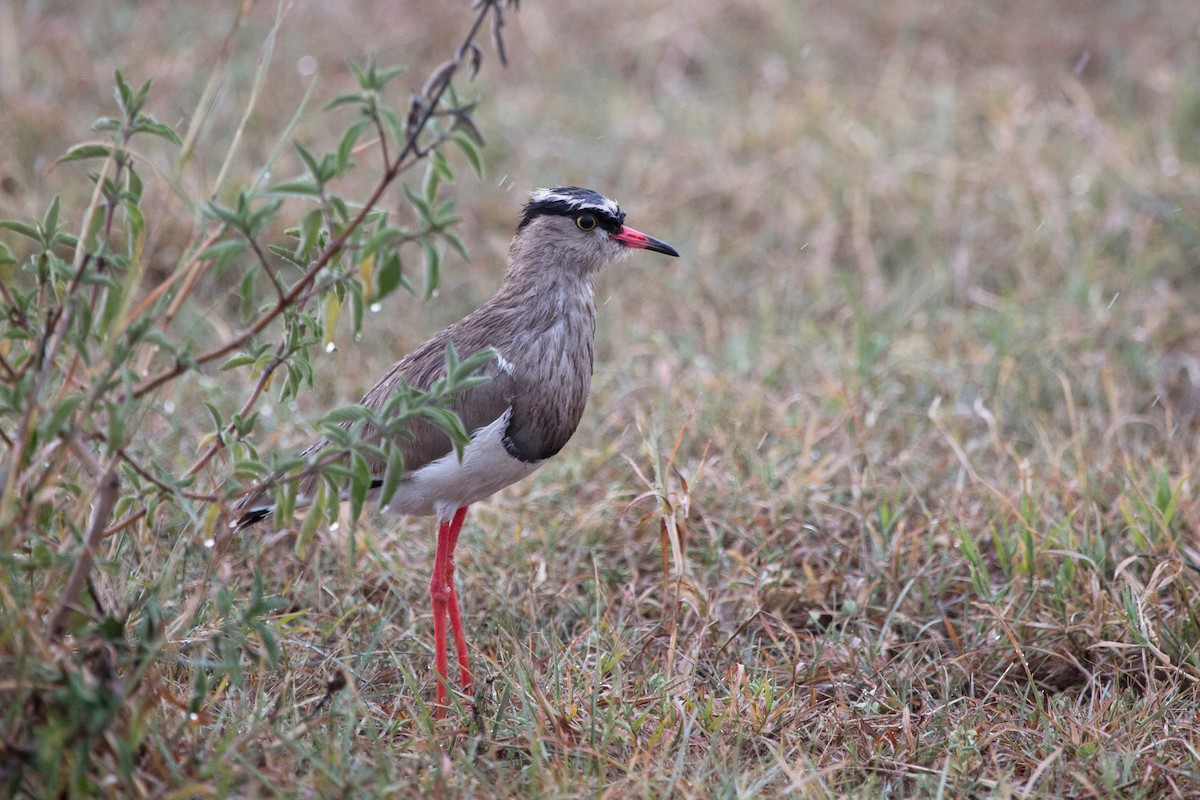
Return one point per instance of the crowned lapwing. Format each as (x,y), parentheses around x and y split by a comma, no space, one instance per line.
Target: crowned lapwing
(541,323)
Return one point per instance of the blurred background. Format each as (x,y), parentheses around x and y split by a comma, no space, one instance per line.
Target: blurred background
(927,184)
(940,285)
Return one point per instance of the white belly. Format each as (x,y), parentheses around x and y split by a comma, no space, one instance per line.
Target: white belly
(443,486)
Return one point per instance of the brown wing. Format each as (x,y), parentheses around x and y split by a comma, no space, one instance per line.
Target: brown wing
(476,407)
(425,442)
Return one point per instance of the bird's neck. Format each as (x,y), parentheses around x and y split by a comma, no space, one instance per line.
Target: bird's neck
(551,312)
(549,293)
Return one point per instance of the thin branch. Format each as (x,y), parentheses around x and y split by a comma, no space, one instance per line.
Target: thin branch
(262,259)
(22,320)
(153,296)
(428,107)
(12,375)
(57,325)
(109,486)
(111,202)
(52,468)
(280,478)
(383,139)
(123,524)
(166,487)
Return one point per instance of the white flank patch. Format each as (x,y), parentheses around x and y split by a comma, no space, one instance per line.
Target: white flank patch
(443,486)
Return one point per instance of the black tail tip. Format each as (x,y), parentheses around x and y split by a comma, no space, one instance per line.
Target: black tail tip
(251,517)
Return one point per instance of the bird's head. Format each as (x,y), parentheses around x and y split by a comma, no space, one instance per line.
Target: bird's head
(579,230)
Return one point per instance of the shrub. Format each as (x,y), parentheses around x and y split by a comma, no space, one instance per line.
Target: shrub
(90,341)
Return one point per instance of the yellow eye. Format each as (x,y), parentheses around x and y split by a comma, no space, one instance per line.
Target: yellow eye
(585,222)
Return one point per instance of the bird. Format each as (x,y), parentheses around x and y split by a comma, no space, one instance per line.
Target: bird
(541,326)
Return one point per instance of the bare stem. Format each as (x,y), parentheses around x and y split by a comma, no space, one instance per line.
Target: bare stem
(108,486)
(166,487)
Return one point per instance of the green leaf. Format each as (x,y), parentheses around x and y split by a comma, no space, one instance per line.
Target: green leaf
(138,99)
(137,222)
(244,426)
(310,234)
(246,294)
(338,204)
(419,204)
(452,360)
(269,644)
(134,184)
(389,276)
(392,475)
(463,374)
(454,241)
(300,187)
(60,414)
(383,78)
(442,167)
(346,145)
(471,151)
(309,160)
(449,422)
(113,302)
(394,123)
(360,74)
(343,414)
(370,78)
(285,253)
(148,124)
(249,469)
(218,421)
(343,100)
(443,215)
(81,152)
(360,484)
(355,300)
(285,500)
(432,267)
(308,528)
(223,251)
(22,228)
(237,361)
(95,224)
(221,213)
(49,224)
(385,236)
(429,186)
(123,94)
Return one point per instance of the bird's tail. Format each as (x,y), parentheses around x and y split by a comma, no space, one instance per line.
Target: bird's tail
(251,508)
(259,503)
(254,507)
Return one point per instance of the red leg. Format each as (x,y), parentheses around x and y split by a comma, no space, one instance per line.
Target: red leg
(445,604)
(441,600)
(460,639)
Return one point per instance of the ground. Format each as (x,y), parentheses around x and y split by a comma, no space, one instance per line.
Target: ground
(888,486)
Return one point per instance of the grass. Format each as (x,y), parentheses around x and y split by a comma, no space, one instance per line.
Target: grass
(888,488)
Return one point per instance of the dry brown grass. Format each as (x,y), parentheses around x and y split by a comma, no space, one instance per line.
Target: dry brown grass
(890,487)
